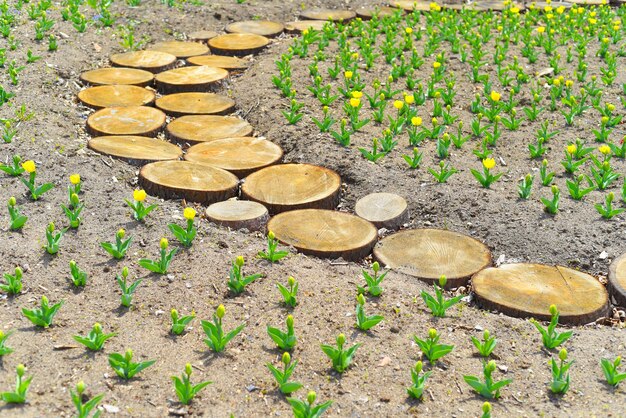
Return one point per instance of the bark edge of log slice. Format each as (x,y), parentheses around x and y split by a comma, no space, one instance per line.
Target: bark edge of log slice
(117,95)
(384,210)
(196,78)
(205,128)
(239,44)
(527,290)
(130,120)
(238,214)
(136,150)
(190,103)
(108,76)
(153,61)
(617,280)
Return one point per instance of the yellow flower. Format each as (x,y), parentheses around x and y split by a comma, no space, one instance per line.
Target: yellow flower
(348,75)
(592,21)
(610,107)
(398,104)
(356,94)
(605,149)
(435,7)
(541,29)
(189,213)
(140,195)
(556,82)
(29,166)
(569,83)
(75,178)
(408,30)
(164,243)
(436,64)
(416,121)
(305,32)
(489,163)
(547,9)
(355,102)
(571,148)
(409,99)
(560,10)
(515,10)
(495,96)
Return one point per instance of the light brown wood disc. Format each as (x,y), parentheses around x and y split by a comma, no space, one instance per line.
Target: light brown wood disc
(617,280)
(494,5)
(238,44)
(131,120)
(410,5)
(238,214)
(179,104)
(293,186)
(109,76)
(384,210)
(181,49)
(185,180)
(202,35)
(429,253)
(302,25)
(241,156)
(115,96)
(258,27)
(189,79)
(219,61)
(328,14)
(366,13)
(153,61)
(205,128)
(528,290)
(325,233)
(586,2)
(137,150)
(554,5)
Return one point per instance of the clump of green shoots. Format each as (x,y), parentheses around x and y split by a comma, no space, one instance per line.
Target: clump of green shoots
(139,210)
(124,367)
(17,219)
(179,323)
(282,377)
(237,282)
(160,266)
(489,389)
(14,169)
(4,350)
(53,238)
(438,304)
(487,345)
(271,254)
(372,281)
(486,178)
(340,358)
(550,337)
(289,293)
(84,409)
(431,348)
(286,341)
(525,187)
(183,387)
(42,316)
(607,211)
(560,373)
(18,396)
(416,390)
(552,206)
(185,236)
(13,284)
(117,250)
(445,172)
(364,322)
(35,191)
(308,409)
(217,340)
(73,210)
(610,369)
(95,340)
(127,290)
(77,276)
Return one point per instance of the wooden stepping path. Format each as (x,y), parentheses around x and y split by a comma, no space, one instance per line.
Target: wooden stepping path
(190,181)
(219,61)
(137,150)
(112,76)
(301,25)
(179,104)
(287,187)
(205,128)
(428,253)
(384,210)
(115,96)
(497,6)
(239,214)
(410,5)
(153,61)
(190,79)
(528,290)
(181,49)
(131,120)
(366,13)
(325,233)
(257,27)
(202,35)
(617,280)
(585,2)
(238,44)
(240,156)
(328,14)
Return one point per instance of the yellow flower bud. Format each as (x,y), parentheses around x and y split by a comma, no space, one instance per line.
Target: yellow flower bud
(239,261)
(553,310)
(29,166)
(486,408)
(270,235)
(360,299)
(140,195)
(495,96)
(220,311)
(571,148)
(443,280)
(432,333)
(75,179)
(291,281)
(376,267)
(310,397)
(563,354)
(409,99)
(20,370)
(418,367)
(408,30)
(121,233)
(189,213)
(188,369)
(489,163)
(289,321)
(605,149)
(348,74)
(341,339)
(80,387)
(355,102)
(286,358)
(164,243)
(12,201)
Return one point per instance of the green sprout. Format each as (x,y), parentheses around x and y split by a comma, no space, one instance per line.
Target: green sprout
(289,293)
(489,389)
(217,340)
(42,316)
(117,251)
(13,284)
(160,266)
(550,337)
(272,255)
(560,373)
(4,350)
(340,358)
(183,387)
(282,377)
(185,236)
(431,348)
(438,304)
(17,219)
(286,341)
(35,191)
(419,380)
(21,388)
(486,346)
(139,210)
(307,409)
(237,282)
(373,282)
(127,290)
(16,168)
(95,340)
(179,323)
(124,366)
(613,376)
(84,409)
(77,276)
(364,322)
(53,239)
(73,211)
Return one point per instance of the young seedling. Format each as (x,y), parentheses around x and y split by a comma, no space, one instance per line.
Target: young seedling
(486,346)
(42,316)
(183,387)
(179,323)
(77,276)
(438,304)
(546,176)
(163,263)
(4,350)
(613,376)
(307,409)
(53,239)
(185,236)
(21,388)
(75,186)
(282,377)
(373,282)
(117,251)
(486,178)
(286,341)
(364,322)
(552,206)
(489,389)
(124,366)
(607,210)
(95,340)
(340,358)
(127,290)
(139,210)
(13,284)
(486,410)
(237,282)
(550,337)
(289,293)
(16,169)
(217,340)
(445,172)
(35,191)
(525,186)
(560,373)
(416,390)
(73,211)
(414,160)
(272,255)
(431,348)
(83,410)
(17,219)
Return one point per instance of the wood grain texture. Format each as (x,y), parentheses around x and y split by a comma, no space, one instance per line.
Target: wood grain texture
(116,96)
(153,61)
(220,61)
(265,28)
(238,44)
(384,210)
(300,25)
(239,214)
(202,35)
(366,13)
(190,79)
(617,280)
(137,150)
(112,76)
(205,128)
(181,49)
(180,104)
(328,14)
(130,120)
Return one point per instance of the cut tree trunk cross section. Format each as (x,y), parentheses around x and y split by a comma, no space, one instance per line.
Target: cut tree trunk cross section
(205,128)
(130,120)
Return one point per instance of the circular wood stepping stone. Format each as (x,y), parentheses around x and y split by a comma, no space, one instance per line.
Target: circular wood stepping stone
(181,49)
(410,5)
(108,76)
(219,61)
(115,96)
(258,27)
(202,35)
(293,186)
(586,2)
(185,180)
(238,44)
(205,128)
(524,290)
(136,150)
(302,25)
(131,120)
(325,233)
(153,61)
(239,214)
(617,280)
(328,14)
(429,253)
(384,210)
(366,13)
(240,156)
(179,104)
(189,79)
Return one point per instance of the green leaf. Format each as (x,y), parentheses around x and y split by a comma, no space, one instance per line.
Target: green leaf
(290,387)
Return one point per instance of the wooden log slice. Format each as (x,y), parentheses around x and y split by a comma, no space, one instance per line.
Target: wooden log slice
(494,5)
(384,210)
(429,253)
(153,61)
(179,104)
(302,25)
(241,156)
(554,5)
(202,35)
(205,128)
(219,61)
(137,150)
(110,76)
(131,120)
(181,49)
(528,290)
(238,44)
(328,14)
(185,180)
(617,280)
(366,13)
(325,233)
(190,79)
(239,214)
(257,27)
(586,2)
(115,96)
(410,5)
(287,187)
